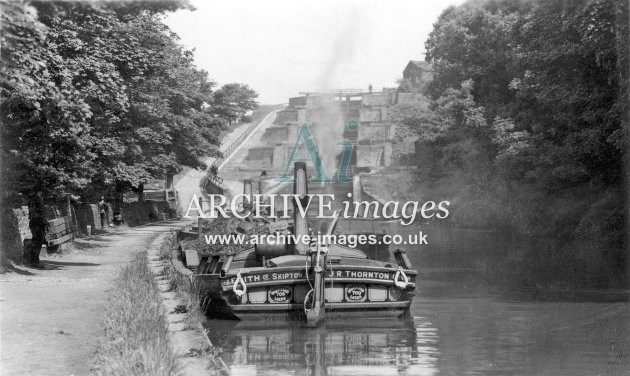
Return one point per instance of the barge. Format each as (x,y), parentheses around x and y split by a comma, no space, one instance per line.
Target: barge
(313,282)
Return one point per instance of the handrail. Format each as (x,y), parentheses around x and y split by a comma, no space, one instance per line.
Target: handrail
(230,149)
(216,164)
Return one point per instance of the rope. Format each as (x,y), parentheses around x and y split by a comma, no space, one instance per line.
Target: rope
(405,281)
(309,283)
(306,299)
(319,252)
(239,279)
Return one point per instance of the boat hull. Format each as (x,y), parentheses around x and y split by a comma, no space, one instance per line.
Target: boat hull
(350,292)
(296,312)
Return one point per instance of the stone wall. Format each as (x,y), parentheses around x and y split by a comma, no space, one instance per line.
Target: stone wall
(286,115)
(374,145)
(21,216)
(280,156)
(139,213)
(16,221)
(374,132)
(374,100)
(87,215)
(260,153)
(15,231)
(297,101)
(368,114)
(302,115)
(370,156)
(260,157)
(276,134)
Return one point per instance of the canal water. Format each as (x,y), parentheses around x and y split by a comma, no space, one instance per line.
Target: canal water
(522,323)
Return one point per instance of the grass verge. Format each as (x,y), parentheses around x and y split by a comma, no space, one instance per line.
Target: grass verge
(184,287)
(136,338)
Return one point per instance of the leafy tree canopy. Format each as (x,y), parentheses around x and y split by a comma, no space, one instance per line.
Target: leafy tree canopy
(101,94)
(233,101)
(527,109)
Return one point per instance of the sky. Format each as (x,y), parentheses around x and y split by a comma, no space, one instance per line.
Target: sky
(282,47)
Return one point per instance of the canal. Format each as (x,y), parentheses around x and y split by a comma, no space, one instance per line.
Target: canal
(486,303)
(459,322)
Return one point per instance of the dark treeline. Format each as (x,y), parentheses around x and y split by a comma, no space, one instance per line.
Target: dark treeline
(526,118)
(100,97)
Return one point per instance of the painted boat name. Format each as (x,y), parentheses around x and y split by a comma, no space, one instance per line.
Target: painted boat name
(300,275)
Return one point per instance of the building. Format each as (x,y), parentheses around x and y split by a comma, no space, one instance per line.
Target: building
(418,74)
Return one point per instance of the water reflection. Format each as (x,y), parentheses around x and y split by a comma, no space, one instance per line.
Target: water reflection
(368,347)
(460,324)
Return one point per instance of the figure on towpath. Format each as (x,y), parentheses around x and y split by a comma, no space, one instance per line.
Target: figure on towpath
(103,210)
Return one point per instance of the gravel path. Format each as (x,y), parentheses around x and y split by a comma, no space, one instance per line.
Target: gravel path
(50,318)
(188,184)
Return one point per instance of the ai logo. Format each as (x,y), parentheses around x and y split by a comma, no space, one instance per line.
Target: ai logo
(305,136)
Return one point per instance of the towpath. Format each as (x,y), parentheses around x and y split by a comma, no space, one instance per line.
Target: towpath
(50,318)
(188,184)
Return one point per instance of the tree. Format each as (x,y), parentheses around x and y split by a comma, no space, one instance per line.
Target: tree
(233,101)
(98,95)
(47,85)
(169,122)
(535,93)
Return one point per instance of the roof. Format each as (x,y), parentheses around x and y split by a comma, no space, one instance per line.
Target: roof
(420,64)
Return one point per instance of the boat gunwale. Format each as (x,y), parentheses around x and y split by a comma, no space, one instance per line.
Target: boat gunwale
(329,305)
(258,269)
(327,280)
